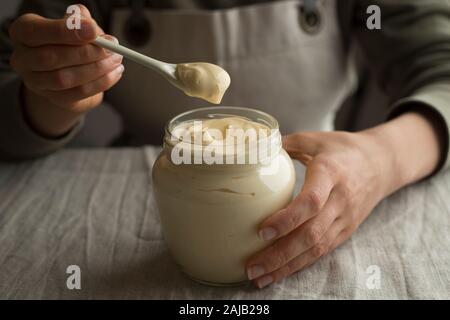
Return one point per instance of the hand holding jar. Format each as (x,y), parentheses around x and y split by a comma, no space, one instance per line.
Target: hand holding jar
(347,175)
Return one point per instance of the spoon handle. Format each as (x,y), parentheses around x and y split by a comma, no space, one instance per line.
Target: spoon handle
(156,65)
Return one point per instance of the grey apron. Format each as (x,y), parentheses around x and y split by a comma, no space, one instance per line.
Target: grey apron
(276,64)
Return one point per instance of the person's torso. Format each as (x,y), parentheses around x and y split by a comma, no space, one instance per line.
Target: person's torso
(278,62)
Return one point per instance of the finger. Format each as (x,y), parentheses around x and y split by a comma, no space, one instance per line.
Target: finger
(343,236)
(32,30)
(84,11)
(301,143)
(314,194)
(54,57)
(303,260)
(69,98)
(300,240)
(72,77)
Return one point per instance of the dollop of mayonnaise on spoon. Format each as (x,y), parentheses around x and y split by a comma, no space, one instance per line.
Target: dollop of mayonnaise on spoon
(203,80)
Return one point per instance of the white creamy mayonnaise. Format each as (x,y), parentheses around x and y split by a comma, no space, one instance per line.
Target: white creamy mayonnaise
(203,80)
(219,129)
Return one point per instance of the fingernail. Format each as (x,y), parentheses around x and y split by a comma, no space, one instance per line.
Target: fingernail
(87,31)
(268,234)
(114,39)
(120,69)
(116,57)
(255,272)
(264,281)
(110,38)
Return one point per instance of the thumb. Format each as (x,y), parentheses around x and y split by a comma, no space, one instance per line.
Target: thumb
(88,30)
(80,11)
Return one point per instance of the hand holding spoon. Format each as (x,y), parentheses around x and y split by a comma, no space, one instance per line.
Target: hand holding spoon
(202,80)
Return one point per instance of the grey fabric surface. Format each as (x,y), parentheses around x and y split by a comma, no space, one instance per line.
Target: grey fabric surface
(95,209)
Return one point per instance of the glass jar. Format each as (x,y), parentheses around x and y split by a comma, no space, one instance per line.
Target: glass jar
(210,213)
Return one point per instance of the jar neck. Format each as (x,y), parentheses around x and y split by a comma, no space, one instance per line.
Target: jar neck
(254,138)
(257,153)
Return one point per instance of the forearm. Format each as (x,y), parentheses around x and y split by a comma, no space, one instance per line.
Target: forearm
(410,147)
(414,72)
(46,118)
(17,140)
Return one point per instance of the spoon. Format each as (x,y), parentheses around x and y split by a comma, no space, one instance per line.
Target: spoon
(167,70)
(199,79)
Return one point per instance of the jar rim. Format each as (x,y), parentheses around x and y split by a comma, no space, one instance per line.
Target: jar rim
(265,148)
(264,118)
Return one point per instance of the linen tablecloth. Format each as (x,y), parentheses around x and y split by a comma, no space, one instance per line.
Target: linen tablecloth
(95,209)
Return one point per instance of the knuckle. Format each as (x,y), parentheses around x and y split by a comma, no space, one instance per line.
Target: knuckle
(100,66)
(289,269)
(20,27)
(319,250)
(84,54)
(280,258)
(26,29)
(314,200)
(303,135)
(291,218)
(314,234)
(62,79)
(106,81)
(300,135)
(110,79)
(347,232)
(46,58)
(85,90)
(293,266)
(345,191)
(327,164)
(283,257)
(283,273)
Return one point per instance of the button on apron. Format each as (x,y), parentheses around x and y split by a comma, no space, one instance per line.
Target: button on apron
(310,16)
